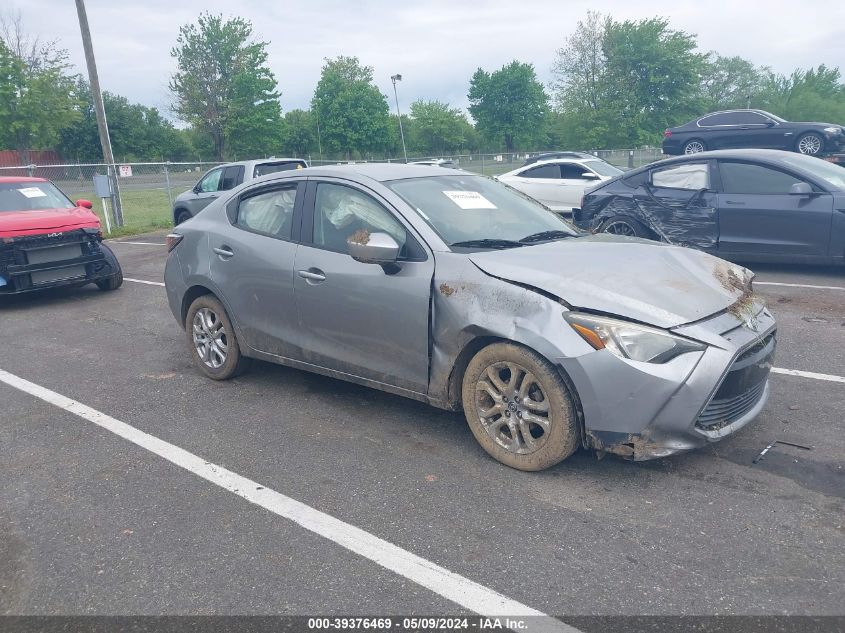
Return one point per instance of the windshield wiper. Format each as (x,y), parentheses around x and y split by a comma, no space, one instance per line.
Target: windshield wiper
(488,243)
(544,236)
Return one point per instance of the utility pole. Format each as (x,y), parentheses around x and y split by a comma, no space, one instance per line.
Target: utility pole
(394,79)
(99,109)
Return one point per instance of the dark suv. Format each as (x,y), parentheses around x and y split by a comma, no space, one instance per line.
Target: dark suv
(225,177)
(734,129)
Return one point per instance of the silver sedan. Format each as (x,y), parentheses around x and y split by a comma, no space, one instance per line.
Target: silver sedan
(454,290)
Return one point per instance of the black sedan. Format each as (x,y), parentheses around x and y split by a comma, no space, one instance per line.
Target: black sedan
(752,128)
(751,205)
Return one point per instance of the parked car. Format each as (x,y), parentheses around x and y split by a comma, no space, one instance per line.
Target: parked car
(452,289)
(550,155)
(436,162)
(745,205)
(223,178)
(47,241)
(754,129)
(559,183)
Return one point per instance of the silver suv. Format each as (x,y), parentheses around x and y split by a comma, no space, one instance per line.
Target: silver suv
(225,177)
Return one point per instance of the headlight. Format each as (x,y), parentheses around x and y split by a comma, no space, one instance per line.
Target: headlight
(630,340)
(833,130)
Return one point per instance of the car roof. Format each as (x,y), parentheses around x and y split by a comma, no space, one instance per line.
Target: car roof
(13,179)
(380,172)
(262,161)
(561,161)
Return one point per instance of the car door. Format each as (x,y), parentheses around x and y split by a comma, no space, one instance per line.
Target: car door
(252,263)
(678,203)
(759,218)
(542,183)
(362,319)
(574,180)
(205,191)
(716,130)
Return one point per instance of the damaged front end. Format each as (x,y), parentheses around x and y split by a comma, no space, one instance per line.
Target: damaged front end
(35,262)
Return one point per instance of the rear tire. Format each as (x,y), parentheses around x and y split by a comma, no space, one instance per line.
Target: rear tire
(694,146)
(623,225)
(211,340)
(519,408)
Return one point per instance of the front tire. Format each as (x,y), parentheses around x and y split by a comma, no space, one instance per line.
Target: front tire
(519,408)
(181,216)
(810,144)
(212,341)
(694,146)
(628,227)
(115,280)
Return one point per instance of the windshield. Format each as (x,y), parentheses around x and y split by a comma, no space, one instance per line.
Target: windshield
(32,196)
(470,208)
(832,174)
(602,168)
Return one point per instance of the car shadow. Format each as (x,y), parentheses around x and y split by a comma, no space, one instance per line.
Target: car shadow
(48,297)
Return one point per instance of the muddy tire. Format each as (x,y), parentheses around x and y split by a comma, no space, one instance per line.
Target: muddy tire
(518,408)
(624,225)
(212,341)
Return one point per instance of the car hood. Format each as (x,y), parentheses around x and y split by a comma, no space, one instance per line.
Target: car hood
(658,284)
(17,223)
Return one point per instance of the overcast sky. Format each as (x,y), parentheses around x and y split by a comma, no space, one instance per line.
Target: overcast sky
(435,44)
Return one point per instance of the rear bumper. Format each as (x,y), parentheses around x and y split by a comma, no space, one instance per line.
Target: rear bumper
(38,262)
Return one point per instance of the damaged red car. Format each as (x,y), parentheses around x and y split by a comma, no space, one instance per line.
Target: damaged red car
(47,241)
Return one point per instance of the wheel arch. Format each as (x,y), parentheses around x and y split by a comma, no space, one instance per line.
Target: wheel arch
(177,211)
(191,295)
(475,345)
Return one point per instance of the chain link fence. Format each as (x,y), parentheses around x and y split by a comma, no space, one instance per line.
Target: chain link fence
(147,190)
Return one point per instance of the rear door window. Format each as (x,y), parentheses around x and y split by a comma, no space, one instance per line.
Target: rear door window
(691,176)
(727,118)
(232,177)
(755,179)
(268,212)
(543,171)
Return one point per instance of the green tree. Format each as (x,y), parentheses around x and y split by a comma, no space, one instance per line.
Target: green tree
(38,97)
(653,74)
(728,82)
(350,110)
(509,105)
(300,138)
(817,94)
(224,88)
(437,128)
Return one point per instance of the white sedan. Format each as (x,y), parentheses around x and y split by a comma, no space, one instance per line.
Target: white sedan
(559,183)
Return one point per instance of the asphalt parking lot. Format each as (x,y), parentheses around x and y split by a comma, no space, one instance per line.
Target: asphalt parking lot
(91,523)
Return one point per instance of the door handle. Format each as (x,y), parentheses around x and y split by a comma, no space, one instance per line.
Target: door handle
(224,251)
(312,275)
(735,203)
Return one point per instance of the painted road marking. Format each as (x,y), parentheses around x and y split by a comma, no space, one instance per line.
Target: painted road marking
(143,281)
(460,590)
(137,243)
(808,374)
(776,283)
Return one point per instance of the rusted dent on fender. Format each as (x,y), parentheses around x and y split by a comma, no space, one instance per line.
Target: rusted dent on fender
(737,279)
(480,308)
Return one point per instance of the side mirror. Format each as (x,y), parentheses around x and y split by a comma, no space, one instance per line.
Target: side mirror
(590,176)
(85,204)
(770,123)
(800,189)
(372,248)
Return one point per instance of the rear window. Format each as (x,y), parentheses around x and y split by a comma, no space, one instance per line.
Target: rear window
(32,196)
(271,168)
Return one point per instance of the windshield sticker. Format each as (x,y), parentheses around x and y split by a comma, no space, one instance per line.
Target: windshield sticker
(32,192)
(469,200)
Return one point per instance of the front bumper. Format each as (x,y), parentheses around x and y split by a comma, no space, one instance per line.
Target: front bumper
(643,411)
(36,262)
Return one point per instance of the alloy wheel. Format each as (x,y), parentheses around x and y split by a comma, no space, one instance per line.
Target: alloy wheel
(210,339)
(620,227)
(810,144)
(512,408)
(693,147)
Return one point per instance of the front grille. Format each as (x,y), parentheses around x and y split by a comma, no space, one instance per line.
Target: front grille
(742,387)
(18,252)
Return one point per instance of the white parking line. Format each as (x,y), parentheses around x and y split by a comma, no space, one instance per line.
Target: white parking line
(808,374)
(460,590)
(776,283)
(143,281)
(137,243)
